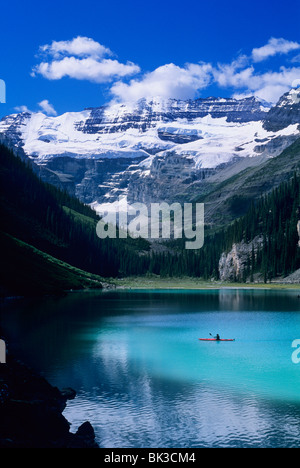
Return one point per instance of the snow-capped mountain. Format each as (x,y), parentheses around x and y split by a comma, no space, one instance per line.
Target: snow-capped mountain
(114,131)
(137,149)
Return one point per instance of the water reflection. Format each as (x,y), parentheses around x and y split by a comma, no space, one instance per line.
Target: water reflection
(143,378)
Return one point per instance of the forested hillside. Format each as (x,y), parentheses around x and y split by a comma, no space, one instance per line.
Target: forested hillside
(273,219)
(41,217)
(49,241)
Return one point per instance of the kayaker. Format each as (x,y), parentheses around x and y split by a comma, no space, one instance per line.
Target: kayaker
(218,337)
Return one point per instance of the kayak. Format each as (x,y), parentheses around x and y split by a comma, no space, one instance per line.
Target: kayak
(212,339)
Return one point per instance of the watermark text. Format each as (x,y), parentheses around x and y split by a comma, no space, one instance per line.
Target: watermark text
(2,352)
(296,353)
(2,92)
(156,221)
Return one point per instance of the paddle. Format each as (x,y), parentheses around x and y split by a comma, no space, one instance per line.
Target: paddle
(215,338)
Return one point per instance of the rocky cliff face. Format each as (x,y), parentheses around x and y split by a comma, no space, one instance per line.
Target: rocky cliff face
(233,266)
(285,113)
(146,113)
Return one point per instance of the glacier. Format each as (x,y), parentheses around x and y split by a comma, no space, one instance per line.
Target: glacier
(143,149)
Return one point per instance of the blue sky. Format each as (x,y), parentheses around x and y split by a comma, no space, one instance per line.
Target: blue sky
(60,56)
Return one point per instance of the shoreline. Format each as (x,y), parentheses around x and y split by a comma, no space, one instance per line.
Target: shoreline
(31,411)
(195,284)
(156,283)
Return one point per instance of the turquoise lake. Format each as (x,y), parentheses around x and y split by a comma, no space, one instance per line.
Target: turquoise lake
(143,378)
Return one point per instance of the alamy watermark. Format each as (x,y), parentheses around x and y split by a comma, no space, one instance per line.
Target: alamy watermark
(296,353)
(154,221)
(2,92)
(2,352)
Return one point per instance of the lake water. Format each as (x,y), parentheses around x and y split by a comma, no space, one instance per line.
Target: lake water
(143,378)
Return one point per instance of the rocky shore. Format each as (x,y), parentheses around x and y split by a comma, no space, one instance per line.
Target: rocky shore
(31,412)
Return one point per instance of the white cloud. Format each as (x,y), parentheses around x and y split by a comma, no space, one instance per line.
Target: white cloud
(234,74)
(82,58)
(22,109)
(171,81)
(296,59)
(85,69)
(243,76)
(44,105)
(47,107)
(79,46)
(272,85)
(274,47)
(167,81)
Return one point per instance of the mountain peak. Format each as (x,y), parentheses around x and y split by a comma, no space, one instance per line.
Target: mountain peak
(292,97)
(285,113)
(120,149)
(146,127)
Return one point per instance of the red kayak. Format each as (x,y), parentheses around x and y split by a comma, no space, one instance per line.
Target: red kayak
(212,339)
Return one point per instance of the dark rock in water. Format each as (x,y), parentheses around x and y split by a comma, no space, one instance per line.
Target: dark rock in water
(31,412)
(86,433)
(68,393)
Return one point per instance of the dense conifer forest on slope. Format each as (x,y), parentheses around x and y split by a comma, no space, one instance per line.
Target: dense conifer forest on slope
(37,219)
(49,241)
(273,218)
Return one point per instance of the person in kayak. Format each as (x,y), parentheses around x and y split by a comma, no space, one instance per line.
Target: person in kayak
(218,337)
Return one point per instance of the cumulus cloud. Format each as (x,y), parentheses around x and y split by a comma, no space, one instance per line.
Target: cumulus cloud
(47,107)
(268,86)
(44,105)
(171,81)
(168,81)
(234,74)
(274,47)
(89,69)
(79,46)
(81,58)
(296,59)
(22,109)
